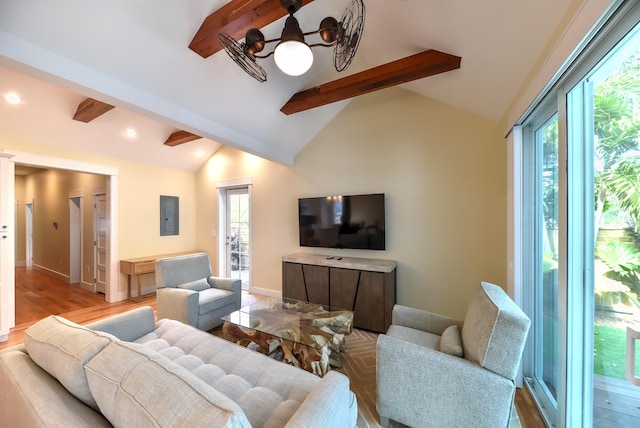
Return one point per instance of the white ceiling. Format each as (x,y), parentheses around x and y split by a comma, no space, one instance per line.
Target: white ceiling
(134,54)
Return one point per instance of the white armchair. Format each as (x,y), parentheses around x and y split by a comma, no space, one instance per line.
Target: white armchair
(187,292)
(429,374)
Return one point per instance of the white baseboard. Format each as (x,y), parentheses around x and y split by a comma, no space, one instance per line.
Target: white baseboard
(86,286)
(52,273)
(119,297)
(146,290)
(264,292)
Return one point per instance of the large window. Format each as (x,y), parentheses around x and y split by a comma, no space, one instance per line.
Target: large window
(581,233)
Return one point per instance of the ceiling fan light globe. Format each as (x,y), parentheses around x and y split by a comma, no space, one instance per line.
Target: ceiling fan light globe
(293,57)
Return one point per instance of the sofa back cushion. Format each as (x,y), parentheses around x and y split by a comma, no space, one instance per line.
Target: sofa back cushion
(62,348)
(173,271)
(136,386)
(494,331)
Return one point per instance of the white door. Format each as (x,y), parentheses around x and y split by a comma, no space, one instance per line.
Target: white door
(100,242)
(7,247)
(236,211)
(29,234)
(75,240)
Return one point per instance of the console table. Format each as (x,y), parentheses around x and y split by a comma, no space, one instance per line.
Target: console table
(365,286)
(141,265)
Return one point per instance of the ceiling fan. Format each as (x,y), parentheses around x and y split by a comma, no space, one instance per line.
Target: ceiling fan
(292,54)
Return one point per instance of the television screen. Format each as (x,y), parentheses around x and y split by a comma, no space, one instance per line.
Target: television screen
(353,221)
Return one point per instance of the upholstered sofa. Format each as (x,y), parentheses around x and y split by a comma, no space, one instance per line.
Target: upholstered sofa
(130,371)
(435,371)
(187,292)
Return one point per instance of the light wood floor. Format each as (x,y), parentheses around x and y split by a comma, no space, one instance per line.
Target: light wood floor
(38,296)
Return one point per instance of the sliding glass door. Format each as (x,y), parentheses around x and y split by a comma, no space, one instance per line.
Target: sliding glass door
(611,109)
(581,236)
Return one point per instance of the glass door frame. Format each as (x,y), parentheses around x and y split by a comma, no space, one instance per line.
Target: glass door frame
(532,279)
(224,262)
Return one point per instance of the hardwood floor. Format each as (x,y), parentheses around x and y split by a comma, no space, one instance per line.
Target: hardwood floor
(527,411)
(39,295)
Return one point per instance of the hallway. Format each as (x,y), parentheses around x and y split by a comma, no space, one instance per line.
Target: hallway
(39,295)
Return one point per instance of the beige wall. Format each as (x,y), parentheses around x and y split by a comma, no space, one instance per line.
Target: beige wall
(444,175)
(50,190)
(139,189)
(443,172)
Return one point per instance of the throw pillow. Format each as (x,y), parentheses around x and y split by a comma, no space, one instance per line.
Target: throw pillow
(450,342)
(198,285)
(62,348)
(137,386)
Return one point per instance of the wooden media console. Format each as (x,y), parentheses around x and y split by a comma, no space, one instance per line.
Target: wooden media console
(365,286)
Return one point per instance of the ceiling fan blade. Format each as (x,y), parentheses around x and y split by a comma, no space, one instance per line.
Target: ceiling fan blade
(351,27)
(239,55)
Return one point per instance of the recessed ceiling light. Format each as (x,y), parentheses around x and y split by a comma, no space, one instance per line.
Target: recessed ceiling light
(12,98)
(131,132)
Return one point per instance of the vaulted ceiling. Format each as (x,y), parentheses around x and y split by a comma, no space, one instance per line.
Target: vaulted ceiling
(135,55)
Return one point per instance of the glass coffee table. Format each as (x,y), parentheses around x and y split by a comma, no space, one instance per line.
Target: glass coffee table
(306,335)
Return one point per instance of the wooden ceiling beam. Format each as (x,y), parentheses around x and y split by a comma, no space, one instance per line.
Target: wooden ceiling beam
(418,66)
(235,18)
(180,137)
(89,109)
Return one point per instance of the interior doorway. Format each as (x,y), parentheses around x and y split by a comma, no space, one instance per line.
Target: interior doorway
(7,190)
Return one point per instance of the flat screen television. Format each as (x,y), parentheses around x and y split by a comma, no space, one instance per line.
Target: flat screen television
(345,221)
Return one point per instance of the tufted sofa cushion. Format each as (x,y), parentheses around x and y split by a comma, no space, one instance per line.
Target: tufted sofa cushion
(135,386)
(267,391)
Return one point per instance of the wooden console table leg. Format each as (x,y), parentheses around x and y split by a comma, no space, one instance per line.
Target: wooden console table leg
(139,286)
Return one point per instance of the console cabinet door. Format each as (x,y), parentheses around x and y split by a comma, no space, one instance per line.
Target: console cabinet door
(307,283)
(343,286)
(369,305)
(293,282)
(316,280)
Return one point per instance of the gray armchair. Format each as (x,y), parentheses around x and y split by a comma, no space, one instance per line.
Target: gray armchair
(187,292)
(436,371)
